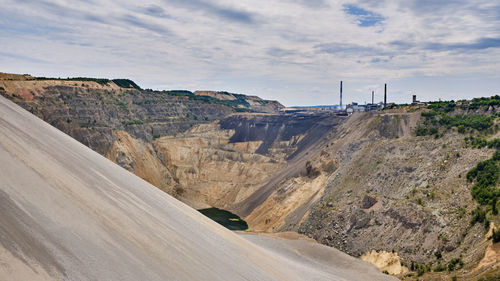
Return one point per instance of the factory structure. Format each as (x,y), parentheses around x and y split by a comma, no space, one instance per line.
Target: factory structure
(349,108)
(355,107)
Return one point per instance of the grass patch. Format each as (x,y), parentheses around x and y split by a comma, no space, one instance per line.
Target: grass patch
(132,122)
(122,105)
(455,263)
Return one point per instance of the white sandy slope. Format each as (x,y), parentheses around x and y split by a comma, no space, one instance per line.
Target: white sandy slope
(67,213)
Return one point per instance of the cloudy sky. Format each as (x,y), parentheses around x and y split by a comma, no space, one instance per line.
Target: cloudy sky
(295,51)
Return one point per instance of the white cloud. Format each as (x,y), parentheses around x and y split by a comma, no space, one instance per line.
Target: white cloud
(295,51)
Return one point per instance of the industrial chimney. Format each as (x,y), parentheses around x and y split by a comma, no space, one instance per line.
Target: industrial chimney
(373,94)
(385,95)
(340,95)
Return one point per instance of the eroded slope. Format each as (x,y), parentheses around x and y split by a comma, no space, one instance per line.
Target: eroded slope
(397,192)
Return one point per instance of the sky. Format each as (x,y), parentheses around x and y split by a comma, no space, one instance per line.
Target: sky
(293,51)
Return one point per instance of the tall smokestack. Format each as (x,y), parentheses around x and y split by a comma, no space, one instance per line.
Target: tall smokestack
(385,95)
(340,95)
(373,94)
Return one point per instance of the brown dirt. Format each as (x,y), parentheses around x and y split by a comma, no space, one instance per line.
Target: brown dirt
(491,259)
(10,76)
(385,261)
(28,89)
(290,196)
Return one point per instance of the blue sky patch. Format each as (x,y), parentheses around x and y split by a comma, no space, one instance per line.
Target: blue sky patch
(364,17)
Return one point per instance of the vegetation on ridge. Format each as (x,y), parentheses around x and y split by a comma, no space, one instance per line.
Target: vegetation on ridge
(239,104)
(485,176)
(235,104)
(440,116)
(124,83)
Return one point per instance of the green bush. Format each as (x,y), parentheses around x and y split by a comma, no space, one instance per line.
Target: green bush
(429,114)
(132,122)
(439,268)
(419,268)
(496,235)
(486,223)
(444,106)
(494,209)
(455,263)
(439,116)
(126,83)
(122,105)
(477,142)
(484,102)
(420,202)
(485,176)
(423,131)
(478,215)
(438,255)
(478,122)
(483,142)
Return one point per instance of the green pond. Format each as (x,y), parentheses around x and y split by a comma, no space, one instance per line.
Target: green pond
(225,218)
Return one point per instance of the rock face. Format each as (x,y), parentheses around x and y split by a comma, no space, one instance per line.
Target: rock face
(253,102)
(368,202)
(70,214)
(396,192)
(91,114)
(385,261)
(91,111)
